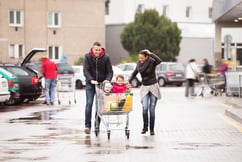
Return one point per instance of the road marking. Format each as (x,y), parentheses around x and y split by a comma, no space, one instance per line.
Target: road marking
(231,122)
(226,105)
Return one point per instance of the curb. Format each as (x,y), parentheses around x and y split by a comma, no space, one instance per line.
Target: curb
(235,114)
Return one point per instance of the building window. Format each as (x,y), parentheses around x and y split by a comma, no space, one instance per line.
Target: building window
(165,10)
(55,52)
(16,51)
(210,10)
(54,19)
(188,11)
(15,18)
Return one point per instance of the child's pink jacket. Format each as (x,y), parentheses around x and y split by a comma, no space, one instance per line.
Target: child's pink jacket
(119,88)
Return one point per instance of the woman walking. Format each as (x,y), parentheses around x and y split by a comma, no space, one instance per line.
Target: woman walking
(149,92)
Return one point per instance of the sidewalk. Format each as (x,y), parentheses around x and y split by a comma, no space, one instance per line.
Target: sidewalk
(235,108)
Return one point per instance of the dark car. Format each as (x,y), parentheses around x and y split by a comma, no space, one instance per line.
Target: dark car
(64,68)
(170,73)
(29,82)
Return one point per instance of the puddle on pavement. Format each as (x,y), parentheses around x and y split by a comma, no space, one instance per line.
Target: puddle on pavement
(138,147)
(198,146)
(37,116)
(23,158)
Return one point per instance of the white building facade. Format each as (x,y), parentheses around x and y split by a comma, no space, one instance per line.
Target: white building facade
(192,17)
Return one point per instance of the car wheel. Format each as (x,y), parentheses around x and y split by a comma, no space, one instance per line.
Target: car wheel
(161,82)
(12,101)
(79,84)
(135,83)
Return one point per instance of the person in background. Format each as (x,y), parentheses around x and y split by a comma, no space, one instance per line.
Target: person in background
(49,71)
(223,69)
(207,69)
(97,68)
(149,91)
(191,76)
(119,86)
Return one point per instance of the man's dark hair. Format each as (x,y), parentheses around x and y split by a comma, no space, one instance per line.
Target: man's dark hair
(143,52)
(96,44)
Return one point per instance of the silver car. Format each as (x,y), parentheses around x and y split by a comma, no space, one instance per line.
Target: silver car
(170,73)
(4,93)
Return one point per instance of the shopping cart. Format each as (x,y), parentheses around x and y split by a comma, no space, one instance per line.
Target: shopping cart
(66,88)
(113,109)
(210,84)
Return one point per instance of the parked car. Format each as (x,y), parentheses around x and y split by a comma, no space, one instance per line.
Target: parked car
(128,69)
(170,73)
(64,68)
(4,93)
(13,87)
(79,76)
(29,82)
(117,71)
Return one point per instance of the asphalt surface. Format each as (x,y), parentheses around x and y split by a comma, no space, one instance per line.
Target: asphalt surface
(187,130)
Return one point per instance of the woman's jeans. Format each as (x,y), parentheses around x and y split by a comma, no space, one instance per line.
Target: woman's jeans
(90,93)
(50,85)
(149,103)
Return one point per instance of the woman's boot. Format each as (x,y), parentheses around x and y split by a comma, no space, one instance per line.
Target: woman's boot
(152,132)
(145,129)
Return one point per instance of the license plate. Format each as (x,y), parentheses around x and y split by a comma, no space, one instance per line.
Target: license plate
(178,75)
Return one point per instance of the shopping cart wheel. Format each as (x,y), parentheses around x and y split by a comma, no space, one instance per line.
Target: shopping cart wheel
(59,102)
(69,102)
(109,133)
(127,133)
(75,101)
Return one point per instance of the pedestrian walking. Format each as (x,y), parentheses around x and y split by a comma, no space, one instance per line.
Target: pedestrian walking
(49,71)
(191,77)
(149,91)
(222,70)
(97,68)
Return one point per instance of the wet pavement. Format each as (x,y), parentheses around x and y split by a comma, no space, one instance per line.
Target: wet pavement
(186,130)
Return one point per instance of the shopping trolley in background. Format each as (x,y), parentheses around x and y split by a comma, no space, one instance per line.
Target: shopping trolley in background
(66,88)
(210,84)
(113,109)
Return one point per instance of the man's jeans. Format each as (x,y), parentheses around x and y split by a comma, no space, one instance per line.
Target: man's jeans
(90,93)
(50,85)
(149,103)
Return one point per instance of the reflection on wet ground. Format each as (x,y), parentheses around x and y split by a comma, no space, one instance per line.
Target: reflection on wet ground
(42,115)
(198,146)
(57,131)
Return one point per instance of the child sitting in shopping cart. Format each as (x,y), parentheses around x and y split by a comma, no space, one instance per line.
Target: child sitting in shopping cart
(107,88)
(120,88)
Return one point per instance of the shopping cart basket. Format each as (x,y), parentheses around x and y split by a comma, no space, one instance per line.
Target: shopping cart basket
(210,84)
(112,108)
(66,88)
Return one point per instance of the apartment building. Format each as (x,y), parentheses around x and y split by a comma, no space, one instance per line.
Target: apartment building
(63,27)
(192,17)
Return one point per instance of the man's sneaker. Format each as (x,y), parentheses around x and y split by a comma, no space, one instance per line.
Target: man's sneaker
(87,130)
